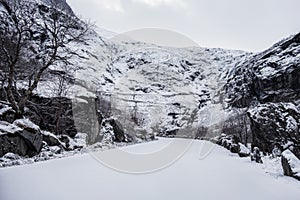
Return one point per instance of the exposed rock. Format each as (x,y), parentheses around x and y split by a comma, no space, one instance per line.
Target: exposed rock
(23,138)
(255,156)
(10,159)
(59,4)
(270,76)
(268,83)
(52,114)
(30,133)
(275,125)
(234,148)
(76,143)
(51,139)
(119,134)
(290,164)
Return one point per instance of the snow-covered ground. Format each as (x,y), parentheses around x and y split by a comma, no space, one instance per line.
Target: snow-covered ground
(221,175)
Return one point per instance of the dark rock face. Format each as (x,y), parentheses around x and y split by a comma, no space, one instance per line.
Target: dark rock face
(6,112)
(14,143)
(270,76)
(119,134)
(275,125)
(20,138)
(52,114)
(268,85)
(290,164)
(60,4)
(286,166)
(30,133)
(51,140)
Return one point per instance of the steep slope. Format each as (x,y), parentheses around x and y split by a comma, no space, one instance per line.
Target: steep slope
(158,90)
(268,86)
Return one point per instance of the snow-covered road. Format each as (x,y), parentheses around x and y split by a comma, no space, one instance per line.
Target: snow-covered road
(221,175)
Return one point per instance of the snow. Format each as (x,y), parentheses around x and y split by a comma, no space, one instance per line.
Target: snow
(6,127)
(4,110)
(244,149)
(46,133)
(221,175)
(22,123)
(267,71)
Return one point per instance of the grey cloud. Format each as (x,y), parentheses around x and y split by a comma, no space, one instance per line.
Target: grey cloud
(251,25)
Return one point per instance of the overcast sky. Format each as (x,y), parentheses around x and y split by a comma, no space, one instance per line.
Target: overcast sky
(251,25)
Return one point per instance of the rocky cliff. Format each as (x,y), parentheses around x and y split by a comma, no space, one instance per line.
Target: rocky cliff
(268,86)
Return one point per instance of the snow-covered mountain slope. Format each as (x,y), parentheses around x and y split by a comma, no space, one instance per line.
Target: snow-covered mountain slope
(152,89)
(159,89)
(221,175)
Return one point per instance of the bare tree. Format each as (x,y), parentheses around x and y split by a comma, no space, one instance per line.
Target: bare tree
(32,39)
(239,125)
(243,124)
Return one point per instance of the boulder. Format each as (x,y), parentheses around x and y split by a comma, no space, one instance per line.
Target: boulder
(6,112)
(51,139)
(255,156)
(22,137)
(31,133)
(243,151)
(290,164)
(70,144)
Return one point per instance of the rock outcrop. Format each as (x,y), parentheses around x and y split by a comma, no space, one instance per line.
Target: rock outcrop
(268,86)
(290,164)
(275,125)
(270,76)
(22,137)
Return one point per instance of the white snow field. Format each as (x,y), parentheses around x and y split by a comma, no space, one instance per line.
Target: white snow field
(221,175)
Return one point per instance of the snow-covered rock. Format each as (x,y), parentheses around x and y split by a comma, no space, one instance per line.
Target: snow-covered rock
(270,76)
(51,139)
(244,151)
(290,164)
(233,144)
(275,125)
(22,137)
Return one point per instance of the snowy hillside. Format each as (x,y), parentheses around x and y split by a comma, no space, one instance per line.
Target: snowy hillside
(142,81)
(221,175)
